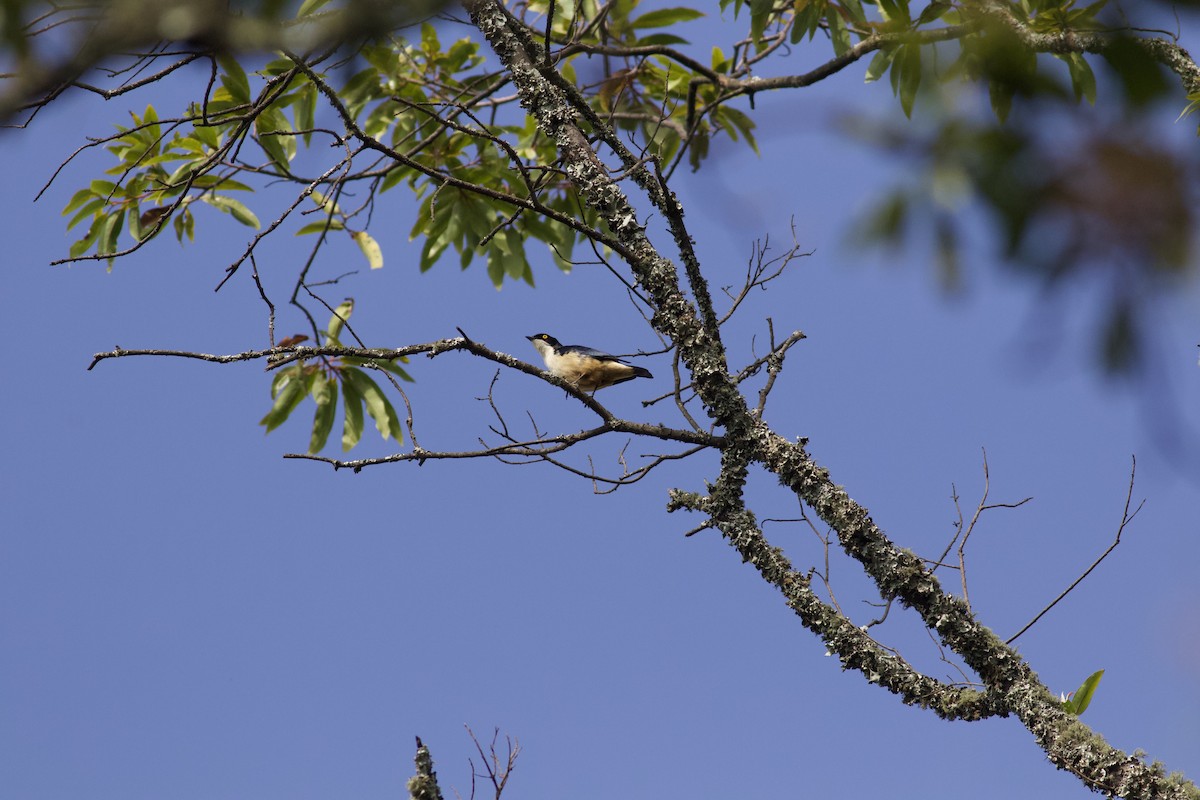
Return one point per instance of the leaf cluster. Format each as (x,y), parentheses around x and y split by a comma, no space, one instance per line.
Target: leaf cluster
(320,378)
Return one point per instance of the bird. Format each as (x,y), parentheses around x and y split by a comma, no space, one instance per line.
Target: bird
(585,368)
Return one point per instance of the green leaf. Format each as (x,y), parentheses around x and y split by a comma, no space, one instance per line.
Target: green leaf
(1082,697)
(326,203)
(1083,80)
(838,34)
(495,270)
(207,135)
(306,110)
(83,245)
(395,369)
(854,10)
(886,221)
(760,15)
(661,38)
(112,230)
(89,209)
(933,11)
(808,17)
(378,406)
(275,147)
(78,199)
(894,10)
(369,247)
(185,225)
(743,123)
(222,182)
(338,321)
(288,393)
(105,189)
(666,17)
(232,207)
(234,79)
(325,393)
(380,364)
(879,64)
(719,62)
(909,62)
(321,227)
(1001,95)
(352,423)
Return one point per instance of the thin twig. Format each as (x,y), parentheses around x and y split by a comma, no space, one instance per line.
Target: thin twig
(1126,518)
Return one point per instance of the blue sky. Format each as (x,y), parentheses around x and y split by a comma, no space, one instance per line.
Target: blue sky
(185,614)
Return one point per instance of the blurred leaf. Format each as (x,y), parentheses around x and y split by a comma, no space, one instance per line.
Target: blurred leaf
(665,17)
(369,247)
(807,18)
(1083,80)
(309,6)
(1142,78)
(1120,339)
(1001,97)
(885,222)
(949,267)
(880,63)
(839,36)
(908,61)
(933,11)
(895,11)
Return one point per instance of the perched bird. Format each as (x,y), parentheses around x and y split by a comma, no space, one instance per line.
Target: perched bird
(584,367)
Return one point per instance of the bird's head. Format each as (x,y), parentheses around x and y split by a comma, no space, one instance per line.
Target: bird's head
(544,341)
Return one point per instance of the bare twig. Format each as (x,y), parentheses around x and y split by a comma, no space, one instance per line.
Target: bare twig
(497,769)
(1126,518)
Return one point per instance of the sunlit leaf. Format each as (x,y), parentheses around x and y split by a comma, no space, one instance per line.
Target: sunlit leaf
(339,318)
(235,208)
(1082,697)
(369,247)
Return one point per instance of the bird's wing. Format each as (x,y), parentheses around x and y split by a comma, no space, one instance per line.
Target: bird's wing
(599,355)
